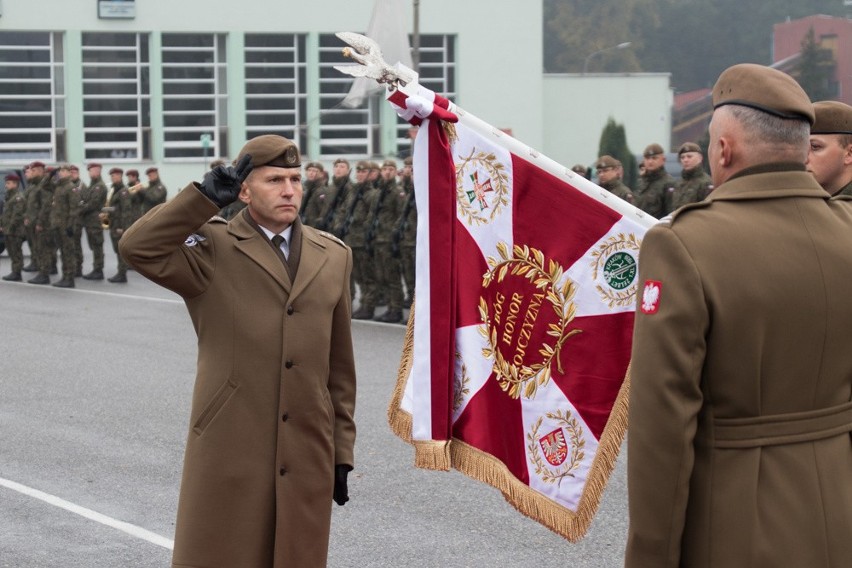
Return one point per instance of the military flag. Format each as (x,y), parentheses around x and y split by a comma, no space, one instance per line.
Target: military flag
(515,367)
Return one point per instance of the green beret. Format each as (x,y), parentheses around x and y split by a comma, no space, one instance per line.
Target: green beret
(389,164)
(832,117)
(764,89)
(653,150)
(606,161)
(689,147)
(271,150)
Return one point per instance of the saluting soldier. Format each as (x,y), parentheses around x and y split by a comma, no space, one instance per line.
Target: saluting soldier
(655,183)
(146,197)
(134,185)
(383,221)
(64,213)
(121,216)
(609,177)
(407,232)
(12,225)
(739,450)
(695,184)
(92,202)
(39,199)
(78,225)
(830,155)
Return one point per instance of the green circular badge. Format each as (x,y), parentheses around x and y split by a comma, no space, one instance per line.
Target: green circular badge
(620,270)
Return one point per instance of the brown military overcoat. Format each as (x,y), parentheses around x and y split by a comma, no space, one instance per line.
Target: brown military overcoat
(274,397)
(739,449)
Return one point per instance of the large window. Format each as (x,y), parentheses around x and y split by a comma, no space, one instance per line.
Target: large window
(116,97)
(437,73)
(32,120)
(195,90)
(343,131)
(276,94)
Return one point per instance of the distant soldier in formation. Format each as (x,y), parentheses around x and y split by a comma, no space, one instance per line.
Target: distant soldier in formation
(92,201)
(64,215)
(146,197)
(375,175)
(654,183)
(312,186)
(383,221)
(830,153)
(39,199)
(121,216)
(12,225)
(581,170)
(610,173)
(354,233)
(335,202)
(407,232)
(78,225)
(695,183)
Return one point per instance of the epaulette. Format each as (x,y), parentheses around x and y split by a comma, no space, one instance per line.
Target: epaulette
(217,219)
(689,207)
(332,237)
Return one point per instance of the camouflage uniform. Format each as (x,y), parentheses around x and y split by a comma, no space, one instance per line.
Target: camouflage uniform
(92,201)
(384,218)
(38,214)
(149,197)
(310,190)
(651,195)
(407,238)
(618,189)
(353,231)
(64,213)
(694,186)
(12,223)
(120,218)
(334,209)
(312,211)
(78,229)
(845,190)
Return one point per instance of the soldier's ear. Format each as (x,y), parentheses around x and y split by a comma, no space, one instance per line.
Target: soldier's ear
(245,193)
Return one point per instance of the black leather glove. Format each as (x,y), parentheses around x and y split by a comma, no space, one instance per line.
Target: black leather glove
(69,232)
(341,488)
(221,185)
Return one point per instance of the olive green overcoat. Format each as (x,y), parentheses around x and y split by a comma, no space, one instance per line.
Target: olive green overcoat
(274,397)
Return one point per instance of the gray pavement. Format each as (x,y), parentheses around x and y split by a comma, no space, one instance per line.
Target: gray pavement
(95,386)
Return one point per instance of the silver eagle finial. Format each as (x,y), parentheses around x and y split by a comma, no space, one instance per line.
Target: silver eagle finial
(371,64)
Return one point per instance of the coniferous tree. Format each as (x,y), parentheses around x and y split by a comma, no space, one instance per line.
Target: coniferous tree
(614,143)
(815,69)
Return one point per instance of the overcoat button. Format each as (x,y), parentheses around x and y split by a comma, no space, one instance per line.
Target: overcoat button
(288,364)
(282,471)
(290,310)
(285,417)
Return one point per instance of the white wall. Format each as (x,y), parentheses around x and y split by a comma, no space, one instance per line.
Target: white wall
(577,107)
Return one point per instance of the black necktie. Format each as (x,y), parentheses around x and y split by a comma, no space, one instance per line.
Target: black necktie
(277,240)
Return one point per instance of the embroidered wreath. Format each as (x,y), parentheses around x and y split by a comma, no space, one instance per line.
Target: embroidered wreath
(499,183)
(460,384)
(578,443)
(612,245)
(530,264)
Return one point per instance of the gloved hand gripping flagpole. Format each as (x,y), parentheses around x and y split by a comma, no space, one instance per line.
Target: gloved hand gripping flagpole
(414,102)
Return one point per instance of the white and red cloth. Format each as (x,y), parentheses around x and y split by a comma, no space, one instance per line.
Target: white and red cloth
(515,365)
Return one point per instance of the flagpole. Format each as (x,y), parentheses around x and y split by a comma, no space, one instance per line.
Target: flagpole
(415,49)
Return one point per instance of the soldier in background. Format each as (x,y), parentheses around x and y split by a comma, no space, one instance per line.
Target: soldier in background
(581,170)
(610,173)
(654,183)
(374,177)
(38,217)
(354,231)
(92,202)
(312,185)
(121,216)
(334,206)
(695,184)
(406,233)
(64,215)
(383,221)
(78,226)
(830,153)
(146,197)
(133,184)
(12,225)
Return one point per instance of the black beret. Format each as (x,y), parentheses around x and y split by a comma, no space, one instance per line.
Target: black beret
(763,88)
(271,150)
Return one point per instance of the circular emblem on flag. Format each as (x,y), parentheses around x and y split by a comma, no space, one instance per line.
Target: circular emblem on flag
(615,268)
(526,307)
(482,187)
(557,453)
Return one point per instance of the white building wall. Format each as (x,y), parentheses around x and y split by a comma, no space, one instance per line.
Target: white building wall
(578,106)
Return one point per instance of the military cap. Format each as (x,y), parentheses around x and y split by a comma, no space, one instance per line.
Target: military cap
(341,161)
(374,166)
(389,164)
(653,150)
(151,170)
(271,150)
(73,168)
(134,173)
(408,161)
(832,117)
(363,165)
(93,165)
(764,89)
(116,171)
(579,169)
(689,147)
(315,165)
(64,167)
(13,177)
(36,164)
(606,161)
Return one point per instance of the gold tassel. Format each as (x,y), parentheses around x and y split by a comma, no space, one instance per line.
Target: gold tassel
(432,454)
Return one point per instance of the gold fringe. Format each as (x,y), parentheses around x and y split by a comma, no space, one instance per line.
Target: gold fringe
(432,454)
(399,420)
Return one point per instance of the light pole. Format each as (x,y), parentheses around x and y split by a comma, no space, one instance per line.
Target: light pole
(622,45)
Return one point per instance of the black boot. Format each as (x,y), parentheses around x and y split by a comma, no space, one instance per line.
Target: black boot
(78,273)
(40,279)
(119,278)
(31,267)
(390,316)
(13,277)
(364,313)
(53,270)
(96,274)
(65,283)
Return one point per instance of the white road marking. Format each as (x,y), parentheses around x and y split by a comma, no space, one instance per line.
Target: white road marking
(99,293)
(132,530)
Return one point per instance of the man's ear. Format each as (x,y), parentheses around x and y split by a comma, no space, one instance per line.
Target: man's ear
(726,152)
(245,193)
(847,155)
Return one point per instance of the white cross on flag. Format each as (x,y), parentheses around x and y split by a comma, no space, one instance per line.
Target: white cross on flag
(515,366)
